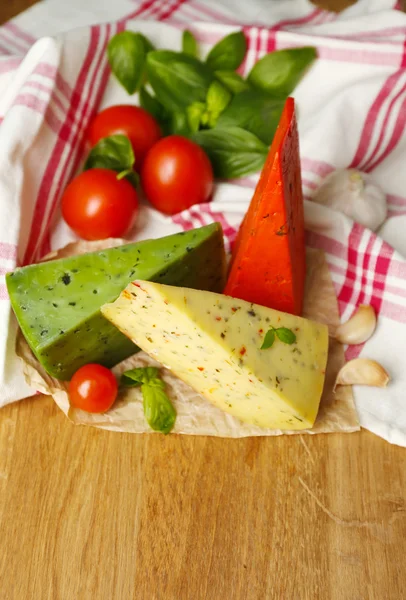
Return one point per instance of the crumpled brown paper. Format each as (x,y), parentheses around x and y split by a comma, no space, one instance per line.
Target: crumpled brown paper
(195,415)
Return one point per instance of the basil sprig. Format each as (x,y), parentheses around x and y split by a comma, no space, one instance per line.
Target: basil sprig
(232,118)
(285,335)
(158,409)
(115,153)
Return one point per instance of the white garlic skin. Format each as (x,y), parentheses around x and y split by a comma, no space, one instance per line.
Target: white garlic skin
(362,371)
(359,328)
(356,195)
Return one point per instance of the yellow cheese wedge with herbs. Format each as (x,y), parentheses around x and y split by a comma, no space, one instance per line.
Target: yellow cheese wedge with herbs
(213,343)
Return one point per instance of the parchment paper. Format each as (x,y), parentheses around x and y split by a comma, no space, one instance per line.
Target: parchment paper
(195,415)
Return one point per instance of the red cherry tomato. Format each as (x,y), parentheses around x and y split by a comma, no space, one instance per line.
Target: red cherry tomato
(93,388)
(97,205)
(136,123)
(176,174)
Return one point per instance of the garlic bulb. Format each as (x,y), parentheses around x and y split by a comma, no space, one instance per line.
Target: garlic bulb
(354,194)
(362,371)
(359,328)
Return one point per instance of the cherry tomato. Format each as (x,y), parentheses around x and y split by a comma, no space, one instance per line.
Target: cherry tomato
(176,174)
(93,388)
(97,205)
(136,123)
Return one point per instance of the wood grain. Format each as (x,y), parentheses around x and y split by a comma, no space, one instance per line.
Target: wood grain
(93,515)
(87,514)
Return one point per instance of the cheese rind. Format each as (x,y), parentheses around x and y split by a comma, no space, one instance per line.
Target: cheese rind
(212,342)
(57,303)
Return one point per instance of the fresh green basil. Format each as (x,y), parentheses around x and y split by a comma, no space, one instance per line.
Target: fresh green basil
(115,153)
(233,151)
(232,81)
(278,73)
(218,97)
(178,124)
(135,377)
(268,340)
(254,111)
(158,409)
(178,79)
(228,53)
(189,43)
(285,335)
(127,52)
(153,106)
(195,113)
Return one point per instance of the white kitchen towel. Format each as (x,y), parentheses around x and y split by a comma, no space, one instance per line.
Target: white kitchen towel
(352,112)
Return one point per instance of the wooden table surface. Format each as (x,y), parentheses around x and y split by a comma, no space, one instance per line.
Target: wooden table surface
(92,515)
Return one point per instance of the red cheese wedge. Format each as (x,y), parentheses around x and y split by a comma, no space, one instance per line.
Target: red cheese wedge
(269,263)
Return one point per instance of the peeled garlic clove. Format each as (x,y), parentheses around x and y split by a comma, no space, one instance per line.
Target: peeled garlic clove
(359,328)
(356,195)
(362,371)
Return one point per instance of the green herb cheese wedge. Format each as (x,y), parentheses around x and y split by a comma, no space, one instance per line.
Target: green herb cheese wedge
(215,343)
(57,303)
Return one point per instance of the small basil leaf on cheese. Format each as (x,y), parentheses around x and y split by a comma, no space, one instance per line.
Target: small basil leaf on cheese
(285,335)
(268,340)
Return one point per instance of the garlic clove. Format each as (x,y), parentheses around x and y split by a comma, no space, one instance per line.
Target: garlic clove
(356,195)
(359,328)
(362,371)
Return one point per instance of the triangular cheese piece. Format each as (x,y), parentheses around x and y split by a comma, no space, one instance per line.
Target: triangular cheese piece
(57,303)
(213,343)
(268,264)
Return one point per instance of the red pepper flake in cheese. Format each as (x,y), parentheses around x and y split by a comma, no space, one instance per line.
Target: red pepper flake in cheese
(260,331)
(243,350)
(200,368)
(219,319)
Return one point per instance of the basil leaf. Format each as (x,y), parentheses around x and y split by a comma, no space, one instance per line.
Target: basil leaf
(233,151)
(189,43)
(194,114)
(114,152)
(177,79)
(279,73)
(233,81)
(178,124)
(135,377)
(158,409)
(254,111)
(268,340)
(285,335)
(228,53)
(152,105)
(217,99)
(127,53)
